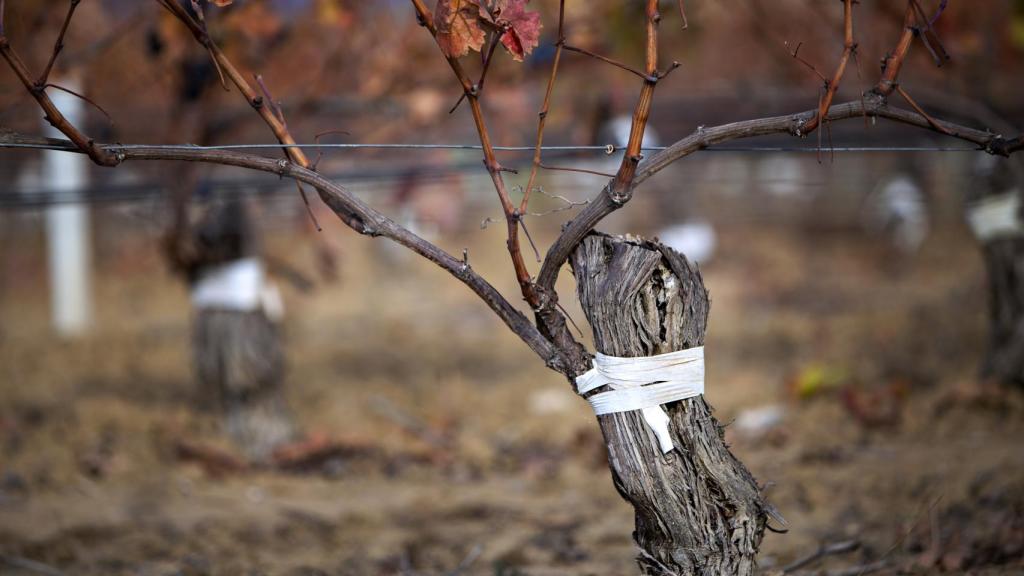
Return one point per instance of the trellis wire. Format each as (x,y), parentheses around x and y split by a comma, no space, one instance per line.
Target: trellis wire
(609,149)
(32,199)
(42,200)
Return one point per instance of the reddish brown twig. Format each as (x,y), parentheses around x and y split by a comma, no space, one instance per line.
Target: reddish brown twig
(309,207)
(581,170)
(831,148)
(621,190)
(544,109)
(52,114)
(919,110)
(831,86)
(526,231)
(796,56)
(320,151)
(486,58)
(929,36)
(574,358)
(860,83)
(197,9)
(59,44)
(275,108)
(607,60)
(494,168)
(682,13)
(264,104)
(83,98)
(817,115)
(671,68)
(256,100)
(268,98)
(894,60)
(37,88)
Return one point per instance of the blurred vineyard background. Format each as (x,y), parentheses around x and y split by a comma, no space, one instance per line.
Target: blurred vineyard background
(846,331)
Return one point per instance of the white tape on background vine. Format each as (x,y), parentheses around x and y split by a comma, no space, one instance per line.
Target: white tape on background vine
(240,285)
(645,383)
(996,217)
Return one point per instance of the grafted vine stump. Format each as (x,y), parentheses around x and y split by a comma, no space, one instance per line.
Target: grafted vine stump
(698,509)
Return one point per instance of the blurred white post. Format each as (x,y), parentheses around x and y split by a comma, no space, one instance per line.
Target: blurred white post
(67,225)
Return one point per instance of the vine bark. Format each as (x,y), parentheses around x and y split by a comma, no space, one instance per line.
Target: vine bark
(698,509)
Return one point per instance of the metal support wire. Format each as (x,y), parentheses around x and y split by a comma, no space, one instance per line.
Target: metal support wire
(38,200)
(607,149)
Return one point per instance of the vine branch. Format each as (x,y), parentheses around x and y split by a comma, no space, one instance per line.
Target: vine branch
(831,86)
(59,44)
(544,109)
(352,211)
(255,99)
(264,103)
(893,62)
(621,188)
(607,60)
(471,92)
(872,105)
(37,89)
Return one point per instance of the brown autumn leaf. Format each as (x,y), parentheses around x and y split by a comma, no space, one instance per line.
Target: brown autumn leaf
(458,27)
(521,27)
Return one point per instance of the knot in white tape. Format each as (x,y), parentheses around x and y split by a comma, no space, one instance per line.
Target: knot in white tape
(645,383)
(996,217)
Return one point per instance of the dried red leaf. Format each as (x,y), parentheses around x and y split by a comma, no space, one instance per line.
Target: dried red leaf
(521,27)
(458,27)
(221,3)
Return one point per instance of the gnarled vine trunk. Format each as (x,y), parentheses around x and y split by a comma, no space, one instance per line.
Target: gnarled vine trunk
(698,509)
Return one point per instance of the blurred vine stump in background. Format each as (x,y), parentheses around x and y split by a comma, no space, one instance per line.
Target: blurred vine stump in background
(994,214)
(238,354)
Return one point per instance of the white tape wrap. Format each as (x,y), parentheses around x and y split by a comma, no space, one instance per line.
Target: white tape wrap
(996,217)
(644,384)
(238,285)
